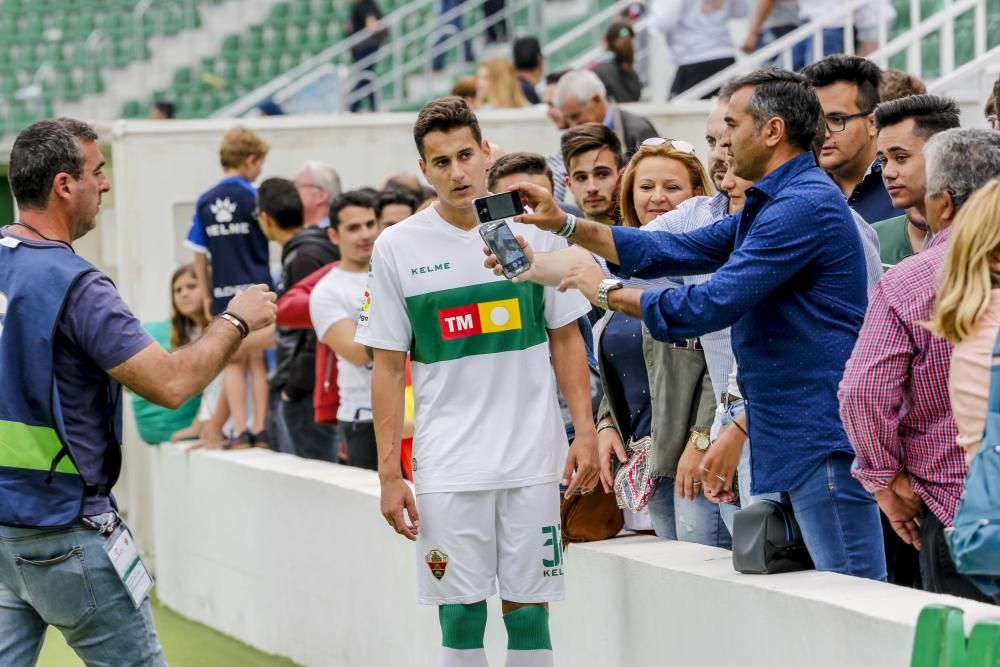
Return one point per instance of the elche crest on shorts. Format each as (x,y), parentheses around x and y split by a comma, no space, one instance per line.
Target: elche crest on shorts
(437,561)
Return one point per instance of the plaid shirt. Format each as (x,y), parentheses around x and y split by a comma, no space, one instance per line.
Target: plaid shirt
(894,394)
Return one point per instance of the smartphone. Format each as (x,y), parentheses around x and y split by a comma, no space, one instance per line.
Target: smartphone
(501,241)
(503,206)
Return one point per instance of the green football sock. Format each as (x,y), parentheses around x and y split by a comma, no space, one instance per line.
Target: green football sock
(463,627)
(528,642)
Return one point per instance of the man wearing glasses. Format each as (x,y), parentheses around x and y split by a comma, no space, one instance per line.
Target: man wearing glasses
(847,87)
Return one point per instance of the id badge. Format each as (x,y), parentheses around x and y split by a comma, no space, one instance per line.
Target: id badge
(124,556)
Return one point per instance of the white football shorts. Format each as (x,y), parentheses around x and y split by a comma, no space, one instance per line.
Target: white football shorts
(469,540)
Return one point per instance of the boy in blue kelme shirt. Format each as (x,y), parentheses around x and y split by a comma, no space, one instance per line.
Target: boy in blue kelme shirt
(231,255)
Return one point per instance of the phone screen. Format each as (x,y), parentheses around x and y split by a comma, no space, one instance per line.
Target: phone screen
(501,241)
(499,207)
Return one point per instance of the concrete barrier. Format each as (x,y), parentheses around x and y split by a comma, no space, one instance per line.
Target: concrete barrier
(293,557)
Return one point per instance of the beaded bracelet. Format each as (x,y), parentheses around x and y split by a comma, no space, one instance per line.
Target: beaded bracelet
(568,227)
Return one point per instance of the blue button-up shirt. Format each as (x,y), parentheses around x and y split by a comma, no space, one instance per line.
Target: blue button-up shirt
(790,280)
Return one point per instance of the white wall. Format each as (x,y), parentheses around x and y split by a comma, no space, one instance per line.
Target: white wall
(293,557)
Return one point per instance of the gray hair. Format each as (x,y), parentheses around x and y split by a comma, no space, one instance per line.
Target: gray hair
(581,84)
(325,177)
(960,161)
(41,151)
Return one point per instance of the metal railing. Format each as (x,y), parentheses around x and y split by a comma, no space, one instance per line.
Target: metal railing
(781,50)
(415,28)
(943,21)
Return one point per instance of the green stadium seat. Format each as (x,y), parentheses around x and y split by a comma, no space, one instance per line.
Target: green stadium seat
(132,109)
(184,80)
(984,643)
(939,640)
(279,15)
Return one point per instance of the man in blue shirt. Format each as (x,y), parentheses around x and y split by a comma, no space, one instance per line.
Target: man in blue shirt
(790,280)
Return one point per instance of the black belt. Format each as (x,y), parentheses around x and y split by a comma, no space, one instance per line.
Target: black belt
(689,344)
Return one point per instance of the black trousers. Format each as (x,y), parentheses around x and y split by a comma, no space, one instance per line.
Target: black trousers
(693,74)
(937,569)
(360,441)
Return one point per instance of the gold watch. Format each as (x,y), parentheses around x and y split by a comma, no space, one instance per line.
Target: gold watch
(699,438)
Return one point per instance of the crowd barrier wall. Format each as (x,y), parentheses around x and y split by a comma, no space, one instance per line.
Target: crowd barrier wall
(293,557)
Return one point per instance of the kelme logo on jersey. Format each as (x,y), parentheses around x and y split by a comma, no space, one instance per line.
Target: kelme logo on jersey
(437,561)
(480,318)
(489,318)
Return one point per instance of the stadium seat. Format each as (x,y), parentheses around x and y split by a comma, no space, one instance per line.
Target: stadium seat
(939,640)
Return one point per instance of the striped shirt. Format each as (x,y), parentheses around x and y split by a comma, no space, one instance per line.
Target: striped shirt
(894,395)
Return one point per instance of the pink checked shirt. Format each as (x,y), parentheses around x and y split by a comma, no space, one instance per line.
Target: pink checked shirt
(894,395)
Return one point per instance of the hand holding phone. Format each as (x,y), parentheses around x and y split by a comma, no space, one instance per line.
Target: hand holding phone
(493,213)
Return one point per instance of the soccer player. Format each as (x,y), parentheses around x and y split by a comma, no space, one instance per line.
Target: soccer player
(489,442)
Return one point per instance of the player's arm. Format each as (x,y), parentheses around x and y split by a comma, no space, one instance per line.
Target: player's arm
(569,361)
(388,387)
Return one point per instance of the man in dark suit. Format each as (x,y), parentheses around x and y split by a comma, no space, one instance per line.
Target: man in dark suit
(581,98)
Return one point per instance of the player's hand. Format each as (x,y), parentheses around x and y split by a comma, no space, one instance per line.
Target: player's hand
(545,213)
(256,305)
(609,443)
(399,508)
(586,277)
(584,460)
(493,264)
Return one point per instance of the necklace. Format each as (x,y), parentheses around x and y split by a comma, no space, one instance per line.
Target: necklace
(24,224)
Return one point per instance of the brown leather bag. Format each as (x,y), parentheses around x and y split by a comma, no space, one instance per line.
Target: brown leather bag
(590,518)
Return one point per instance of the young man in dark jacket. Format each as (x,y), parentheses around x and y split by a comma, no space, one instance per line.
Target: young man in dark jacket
(303,250)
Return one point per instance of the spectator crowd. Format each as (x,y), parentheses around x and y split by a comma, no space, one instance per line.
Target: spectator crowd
(841,184)
(801,323)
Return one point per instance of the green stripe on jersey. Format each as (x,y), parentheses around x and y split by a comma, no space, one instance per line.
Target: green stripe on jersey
(488,318)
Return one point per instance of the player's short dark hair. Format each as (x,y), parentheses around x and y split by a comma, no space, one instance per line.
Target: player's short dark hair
(863,73)
(279,198)
(41,151)
(552,78)
(527,53)
(444,115)
(358,198)
(518,163)
(587,137)
(930,113)
(778,93)
(391,196)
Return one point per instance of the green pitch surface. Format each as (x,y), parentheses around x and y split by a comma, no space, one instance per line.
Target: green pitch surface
(185,644)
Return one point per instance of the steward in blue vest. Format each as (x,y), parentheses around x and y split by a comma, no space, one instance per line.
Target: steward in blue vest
(40,485)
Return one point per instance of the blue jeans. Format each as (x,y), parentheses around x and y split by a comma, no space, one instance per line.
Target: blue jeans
(839,520)
(63,577)
(728,510)
(802,53)
(676,518)
(447,6)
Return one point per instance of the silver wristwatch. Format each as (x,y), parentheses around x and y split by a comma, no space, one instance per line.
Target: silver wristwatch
(607,285)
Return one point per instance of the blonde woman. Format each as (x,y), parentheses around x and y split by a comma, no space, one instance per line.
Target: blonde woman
(967,310)
(497,86)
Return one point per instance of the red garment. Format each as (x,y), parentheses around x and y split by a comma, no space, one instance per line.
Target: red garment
(894,394)
(293,313)
(406,445)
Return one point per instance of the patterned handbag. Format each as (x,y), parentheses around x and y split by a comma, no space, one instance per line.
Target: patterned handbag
(974,537)
(634,481)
